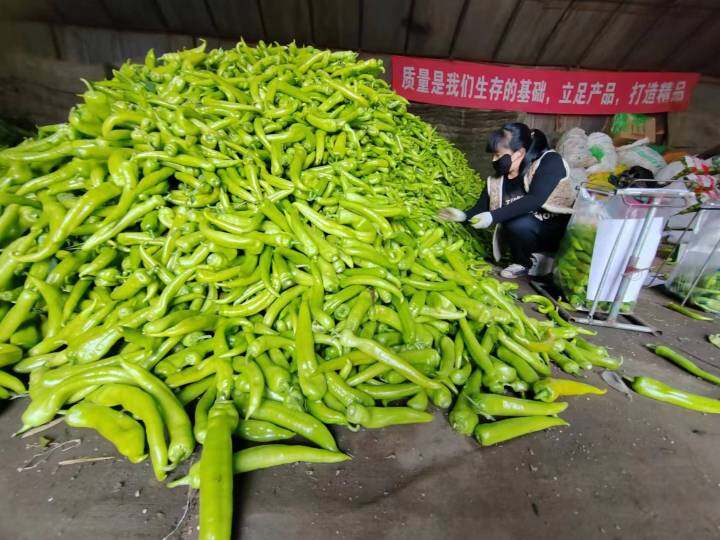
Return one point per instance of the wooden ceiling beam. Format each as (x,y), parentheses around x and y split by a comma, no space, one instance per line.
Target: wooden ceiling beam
(506,30)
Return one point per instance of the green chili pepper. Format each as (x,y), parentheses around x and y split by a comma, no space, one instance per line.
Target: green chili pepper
(192,391)
(490,405)
(256,383)
(388,392)
(176,419)
(523,369)
(419,401)
(477,352)
(12,383)
(532,359)
(260,431)
(325,414)
(142,406)
(379,417)
(685,363)
(655,389)
(47,404)
(568,366)
(9,354)
(384,355)
(463,418)
(301,423)
(216,472)
(580,357)
(202,409)
(549,390)
(510,428)
(311,381)
(688,312)
(125,433)
(268,455)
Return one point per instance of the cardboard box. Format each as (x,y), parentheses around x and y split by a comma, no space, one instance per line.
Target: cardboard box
(636,131)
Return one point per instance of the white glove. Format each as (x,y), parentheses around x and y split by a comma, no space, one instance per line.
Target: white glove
(451,214)
(481,221)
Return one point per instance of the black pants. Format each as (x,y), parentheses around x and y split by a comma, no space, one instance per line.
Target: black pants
(526,235)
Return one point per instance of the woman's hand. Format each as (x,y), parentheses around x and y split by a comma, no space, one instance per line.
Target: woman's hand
(451,214)
(481,221)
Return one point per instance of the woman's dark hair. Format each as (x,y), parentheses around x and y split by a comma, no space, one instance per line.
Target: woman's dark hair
(516,135)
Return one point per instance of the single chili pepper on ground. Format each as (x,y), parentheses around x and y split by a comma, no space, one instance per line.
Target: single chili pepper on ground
(685,363)
(216,473)
(503,430)
(688,312)
(658,390)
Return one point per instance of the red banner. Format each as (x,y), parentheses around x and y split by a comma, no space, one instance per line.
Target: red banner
(490,86)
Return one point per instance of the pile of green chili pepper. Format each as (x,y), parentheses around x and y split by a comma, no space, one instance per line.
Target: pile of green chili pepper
(574,258)
(705,294)
(240,245)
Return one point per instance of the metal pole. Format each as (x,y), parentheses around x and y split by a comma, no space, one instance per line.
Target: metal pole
(606,271)
(663,264)
(631,267)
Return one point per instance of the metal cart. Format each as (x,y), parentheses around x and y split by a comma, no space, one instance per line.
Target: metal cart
(707,207)
(651,202)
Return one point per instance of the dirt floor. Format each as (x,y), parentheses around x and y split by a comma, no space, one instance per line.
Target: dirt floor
(622,469)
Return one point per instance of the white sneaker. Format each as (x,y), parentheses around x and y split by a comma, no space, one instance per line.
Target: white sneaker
(513,271)
(541,264)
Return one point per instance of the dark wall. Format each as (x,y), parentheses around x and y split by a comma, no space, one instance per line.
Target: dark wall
(466,128)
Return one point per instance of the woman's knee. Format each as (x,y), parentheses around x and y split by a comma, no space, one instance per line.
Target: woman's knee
(521,225)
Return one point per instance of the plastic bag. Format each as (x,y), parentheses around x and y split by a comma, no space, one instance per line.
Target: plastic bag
(601,180)
(578,178)
(574,256)
(573,146)
(670,171)
(641,155)
(601,146)
(626,121)
(701,261)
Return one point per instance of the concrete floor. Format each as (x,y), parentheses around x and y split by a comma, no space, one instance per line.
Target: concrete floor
(622,469)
